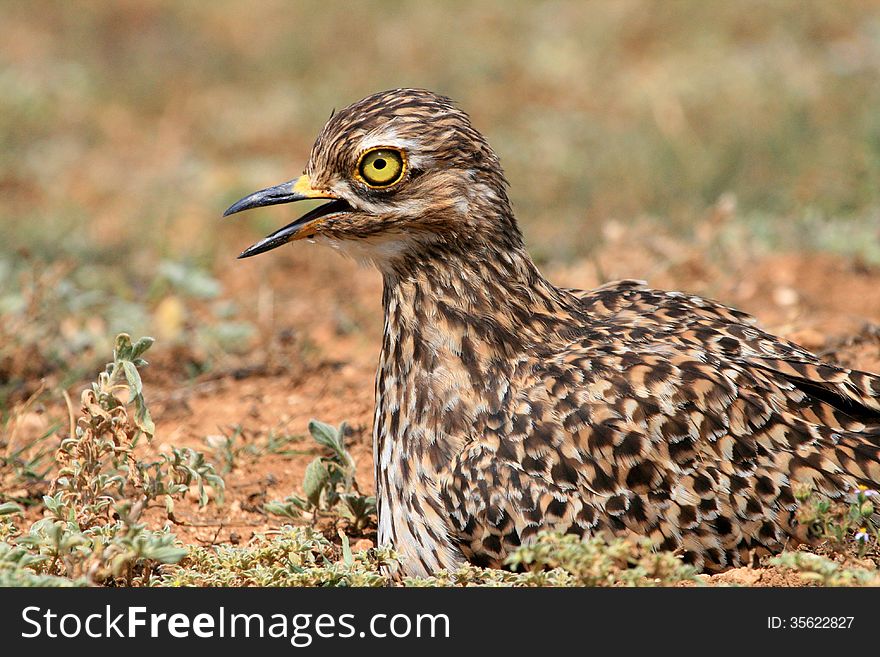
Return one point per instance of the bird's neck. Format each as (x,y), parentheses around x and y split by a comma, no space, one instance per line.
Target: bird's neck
(488,296)
(456,326)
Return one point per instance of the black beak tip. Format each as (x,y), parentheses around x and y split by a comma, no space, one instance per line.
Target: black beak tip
(252,250)
(238,206)
(273,241)
(276,195)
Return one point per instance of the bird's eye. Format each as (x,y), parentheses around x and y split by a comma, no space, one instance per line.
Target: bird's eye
(382,167)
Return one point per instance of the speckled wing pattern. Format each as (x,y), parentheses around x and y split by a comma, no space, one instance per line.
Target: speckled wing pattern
(674,418)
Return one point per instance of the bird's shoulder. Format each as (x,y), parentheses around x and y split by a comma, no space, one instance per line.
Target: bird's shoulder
(630,314)
(631,311)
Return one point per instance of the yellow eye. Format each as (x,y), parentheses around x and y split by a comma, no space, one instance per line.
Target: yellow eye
(382,167)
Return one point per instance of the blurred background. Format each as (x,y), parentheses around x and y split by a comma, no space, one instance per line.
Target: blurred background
(731,149)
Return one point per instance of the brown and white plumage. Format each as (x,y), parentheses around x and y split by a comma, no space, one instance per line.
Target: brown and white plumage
(506,405)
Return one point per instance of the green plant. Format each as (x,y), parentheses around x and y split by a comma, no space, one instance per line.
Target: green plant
(854,523)
(279,443)
(25,462)
(556,559)
(329,482)
(224,448)
(92,531)
(289,556)
(18,568)
(97,457)
(98,462)
(100,554)
(8,528)
(597,561)
(821,570)
(228,446)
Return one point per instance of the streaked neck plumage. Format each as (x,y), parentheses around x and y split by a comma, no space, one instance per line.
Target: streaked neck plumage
(457,316)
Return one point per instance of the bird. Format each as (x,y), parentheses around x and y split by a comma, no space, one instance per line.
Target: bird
(507,406)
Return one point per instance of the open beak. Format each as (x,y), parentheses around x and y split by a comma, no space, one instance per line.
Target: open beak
(293,190)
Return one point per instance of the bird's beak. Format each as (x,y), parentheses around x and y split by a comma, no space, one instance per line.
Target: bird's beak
(294,190)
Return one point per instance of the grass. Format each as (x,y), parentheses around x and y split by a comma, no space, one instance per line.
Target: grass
(126,129)
(638,108)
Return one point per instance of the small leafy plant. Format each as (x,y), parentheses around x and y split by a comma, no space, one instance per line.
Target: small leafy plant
(25,462)
(288,556)
(819,569)
(92,531)
(855,523)
(596,561)
(329,482)
(850,532)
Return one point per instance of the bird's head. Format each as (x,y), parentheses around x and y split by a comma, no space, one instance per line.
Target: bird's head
(400,170)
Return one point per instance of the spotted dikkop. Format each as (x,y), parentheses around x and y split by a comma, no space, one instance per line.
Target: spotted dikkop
(506,405)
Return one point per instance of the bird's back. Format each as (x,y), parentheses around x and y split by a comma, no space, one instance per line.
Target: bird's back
(668,416)
(633,312)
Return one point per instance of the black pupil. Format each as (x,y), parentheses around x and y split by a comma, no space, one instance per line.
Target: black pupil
(379,164)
